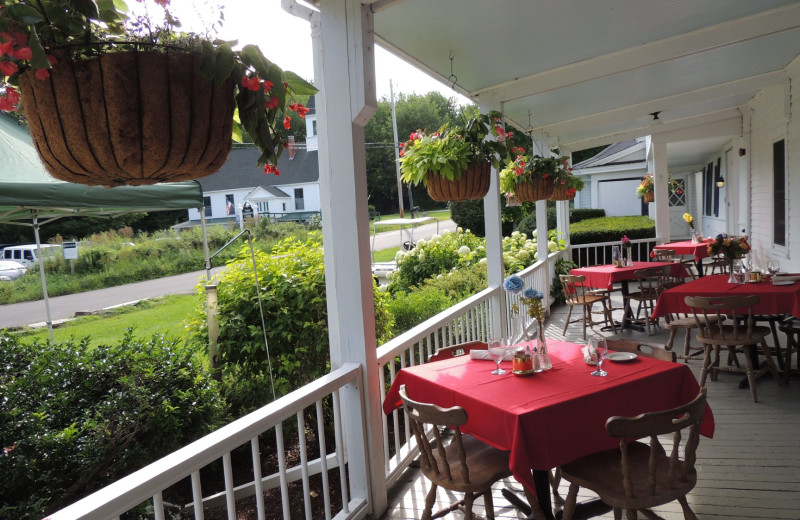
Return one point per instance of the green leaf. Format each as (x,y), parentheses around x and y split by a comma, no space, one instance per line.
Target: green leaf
(223,65)
(87,8)
(39,60)
(300,86)
(207,53)
(23,13)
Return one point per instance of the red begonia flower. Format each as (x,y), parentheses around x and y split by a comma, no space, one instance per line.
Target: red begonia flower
(269,168)
(8,68)
(42,74)
(7,48)
(287,122)
(24,53)
(272,102)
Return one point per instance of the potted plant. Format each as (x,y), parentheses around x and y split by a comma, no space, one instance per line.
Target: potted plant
(111,101)
(567,188)
(455,162)
(533,178)
(645,189)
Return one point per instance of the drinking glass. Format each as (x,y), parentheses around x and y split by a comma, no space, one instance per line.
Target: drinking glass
(598,350)
(497,351)
(773,267)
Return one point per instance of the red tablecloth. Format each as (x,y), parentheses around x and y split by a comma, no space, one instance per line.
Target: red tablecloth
(604,276)
(772,299)
(553,417)
(699,250)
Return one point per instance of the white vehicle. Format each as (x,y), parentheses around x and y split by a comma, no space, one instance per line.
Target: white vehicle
(27,255)
(11,270)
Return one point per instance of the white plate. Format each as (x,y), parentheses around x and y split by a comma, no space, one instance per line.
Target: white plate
(783,282)
(622,356)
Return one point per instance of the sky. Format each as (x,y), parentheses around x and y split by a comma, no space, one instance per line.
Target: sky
(286,40)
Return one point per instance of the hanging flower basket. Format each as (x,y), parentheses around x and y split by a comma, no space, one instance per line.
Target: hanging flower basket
(473,184)
(648,197)
(533,191)
(562,192)
(129,118)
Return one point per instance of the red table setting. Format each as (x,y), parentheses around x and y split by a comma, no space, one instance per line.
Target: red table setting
(604,276)
(698,250)
(772,299)
(552,417)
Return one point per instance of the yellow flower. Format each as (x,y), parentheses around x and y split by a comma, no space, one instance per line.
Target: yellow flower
(689,219)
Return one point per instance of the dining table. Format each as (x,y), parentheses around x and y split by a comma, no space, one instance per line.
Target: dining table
(772,299)
(698,250)
(605,276)
(552,417)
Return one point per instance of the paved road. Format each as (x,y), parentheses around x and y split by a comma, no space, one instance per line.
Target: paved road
(65,307)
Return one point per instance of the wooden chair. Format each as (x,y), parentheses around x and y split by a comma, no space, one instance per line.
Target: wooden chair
(650,283)
(686,323)
(577,294)
(466,464)
(662,255)
(457,350)
(651,350)
(637,475)
(717,263)
(714,332)
(791,327)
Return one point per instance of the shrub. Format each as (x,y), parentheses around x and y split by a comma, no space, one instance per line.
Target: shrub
(74,419)
(562,266)
(469,215)
(576,215)
(292,282)
(460,284)
(611,229)
(438,255)
(412,308)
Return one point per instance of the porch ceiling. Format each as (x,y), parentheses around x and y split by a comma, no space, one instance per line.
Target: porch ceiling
(588,73)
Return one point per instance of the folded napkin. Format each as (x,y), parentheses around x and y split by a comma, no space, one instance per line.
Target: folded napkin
(587,357)
(483,355)
(785,277)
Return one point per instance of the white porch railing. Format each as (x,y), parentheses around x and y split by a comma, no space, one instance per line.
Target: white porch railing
(153,484)
(600,253)
(150,488)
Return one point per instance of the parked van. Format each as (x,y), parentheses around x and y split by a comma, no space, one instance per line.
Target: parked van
(27,255)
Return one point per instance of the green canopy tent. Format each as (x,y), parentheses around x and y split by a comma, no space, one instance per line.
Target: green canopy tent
(29,196)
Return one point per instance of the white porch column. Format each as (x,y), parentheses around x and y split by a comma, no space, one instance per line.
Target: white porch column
(494,239)
(541,208)
(661,191)
(562,212)
(345,75)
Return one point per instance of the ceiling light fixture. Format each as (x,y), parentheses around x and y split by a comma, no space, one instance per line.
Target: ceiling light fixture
(656,119)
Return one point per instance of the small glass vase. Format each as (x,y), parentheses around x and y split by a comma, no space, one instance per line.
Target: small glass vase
(544,357)
(731,275)
(517,329)
(694,236)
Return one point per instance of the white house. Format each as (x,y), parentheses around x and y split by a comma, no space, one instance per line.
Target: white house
(292,194)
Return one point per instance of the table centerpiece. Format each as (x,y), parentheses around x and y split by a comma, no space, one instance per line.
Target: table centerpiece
(731,248)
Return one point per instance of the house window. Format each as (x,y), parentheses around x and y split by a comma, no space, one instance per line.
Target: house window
(298,199)
(230,209)
(677,195)
(284,207)
(716,188)
(314,127)
(207,206)
(779,192)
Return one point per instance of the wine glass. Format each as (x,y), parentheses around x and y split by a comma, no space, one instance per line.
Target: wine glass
(497,351)
(773,267)
(598,350)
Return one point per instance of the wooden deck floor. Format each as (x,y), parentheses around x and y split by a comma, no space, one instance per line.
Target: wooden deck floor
(749,470)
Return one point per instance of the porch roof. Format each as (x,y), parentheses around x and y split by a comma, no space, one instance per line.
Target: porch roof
(582,74)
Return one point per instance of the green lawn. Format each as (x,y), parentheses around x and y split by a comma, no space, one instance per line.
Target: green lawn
(385,255)
(162,316)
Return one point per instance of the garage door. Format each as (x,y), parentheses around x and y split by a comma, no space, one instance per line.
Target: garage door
(618,197)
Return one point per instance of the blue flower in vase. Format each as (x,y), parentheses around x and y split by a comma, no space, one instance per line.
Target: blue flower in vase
(514,284)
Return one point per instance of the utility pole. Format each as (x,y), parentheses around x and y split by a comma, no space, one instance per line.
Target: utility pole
(396,153)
